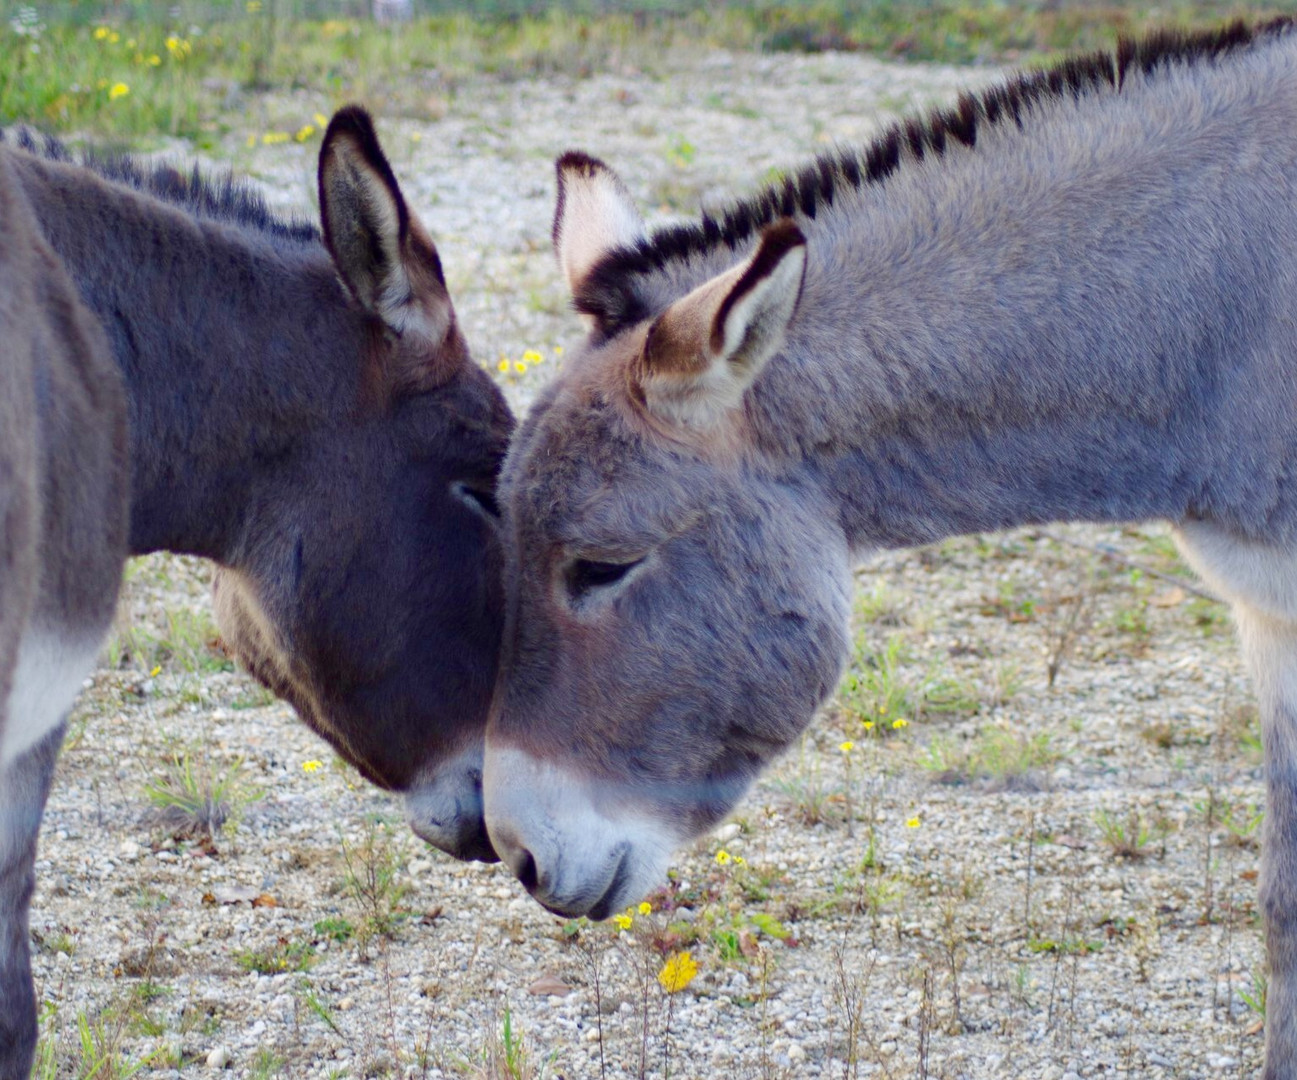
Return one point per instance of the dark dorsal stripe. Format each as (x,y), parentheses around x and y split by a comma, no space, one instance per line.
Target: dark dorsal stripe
(219,198)
(610,295)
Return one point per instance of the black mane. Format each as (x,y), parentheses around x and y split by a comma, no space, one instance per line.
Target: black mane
(615,304)
(219,198)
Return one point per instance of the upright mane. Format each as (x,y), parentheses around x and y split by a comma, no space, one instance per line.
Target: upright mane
(612,299)
(218,198)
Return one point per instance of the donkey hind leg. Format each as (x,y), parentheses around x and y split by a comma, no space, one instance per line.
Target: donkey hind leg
(1270,646)
(24,787)
(1260,582)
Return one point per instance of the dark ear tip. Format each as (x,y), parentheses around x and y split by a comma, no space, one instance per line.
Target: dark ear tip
(352,120)
(782,236)
(579,162)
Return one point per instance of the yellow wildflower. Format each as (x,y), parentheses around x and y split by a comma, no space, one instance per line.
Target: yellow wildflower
(868,725)
(678,972)
(912,823)
(274,138)
(304,132)
(899,723)
(558,350)
(847,746)
(101,32)
(623,921)
(154,60)
(531,356)
(503,365)
(646,908)
(114,37)
(722,857)
(519,366)
(320,120)
(118,90)
(312,766)
(739,860)
(157,670)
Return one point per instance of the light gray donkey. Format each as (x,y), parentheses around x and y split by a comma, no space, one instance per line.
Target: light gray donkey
(1073,297)
(180,370)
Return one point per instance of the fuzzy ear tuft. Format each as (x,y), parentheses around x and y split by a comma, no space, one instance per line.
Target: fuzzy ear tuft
(705,350)
(594,215)
(382,253)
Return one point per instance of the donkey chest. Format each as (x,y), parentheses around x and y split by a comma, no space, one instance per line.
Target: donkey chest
(50,666)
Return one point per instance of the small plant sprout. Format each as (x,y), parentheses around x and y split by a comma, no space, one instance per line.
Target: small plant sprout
(193,801)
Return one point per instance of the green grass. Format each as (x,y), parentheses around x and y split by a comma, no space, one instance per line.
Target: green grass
(194,800)
(149,69)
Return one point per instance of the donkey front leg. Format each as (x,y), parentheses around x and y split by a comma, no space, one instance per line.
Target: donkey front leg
(1270,645)
(24,786)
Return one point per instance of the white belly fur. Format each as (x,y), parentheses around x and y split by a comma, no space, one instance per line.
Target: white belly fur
(47,679)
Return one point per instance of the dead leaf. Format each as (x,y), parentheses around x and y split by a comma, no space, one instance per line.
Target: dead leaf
(264,900)
(1248,875)
(1172,597)
(549,986)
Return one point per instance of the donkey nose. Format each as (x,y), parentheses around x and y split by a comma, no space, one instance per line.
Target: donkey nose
(446,810)
(517,857)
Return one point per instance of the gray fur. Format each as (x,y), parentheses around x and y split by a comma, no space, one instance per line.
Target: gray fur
(179,374)
(1087,314)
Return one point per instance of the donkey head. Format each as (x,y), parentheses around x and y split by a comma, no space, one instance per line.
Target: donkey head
(366,588)
(676,602)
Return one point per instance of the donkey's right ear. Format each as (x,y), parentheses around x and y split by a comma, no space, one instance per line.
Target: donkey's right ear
(383,255)
(594,215)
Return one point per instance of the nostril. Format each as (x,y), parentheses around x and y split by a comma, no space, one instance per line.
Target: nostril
(526,871)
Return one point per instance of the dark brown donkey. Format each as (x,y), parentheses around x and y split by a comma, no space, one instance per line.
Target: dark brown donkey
(1072,297)
(182,372)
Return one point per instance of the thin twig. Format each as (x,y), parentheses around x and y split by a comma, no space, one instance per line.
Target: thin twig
(1115,554)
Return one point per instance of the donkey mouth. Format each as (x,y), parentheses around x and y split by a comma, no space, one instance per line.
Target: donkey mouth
(602,907)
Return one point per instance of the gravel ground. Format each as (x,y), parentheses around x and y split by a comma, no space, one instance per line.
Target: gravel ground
(1023,880)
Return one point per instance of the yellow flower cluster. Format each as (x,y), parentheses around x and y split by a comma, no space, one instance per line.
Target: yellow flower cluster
(529,359)
(102,33)
(312,766)
(724,858)
(179,47)
(678,972)
(118,90)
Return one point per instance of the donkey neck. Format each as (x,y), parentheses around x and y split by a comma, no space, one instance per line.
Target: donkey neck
(224,333)
(1081,319)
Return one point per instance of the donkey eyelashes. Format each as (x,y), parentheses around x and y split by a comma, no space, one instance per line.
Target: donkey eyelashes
(585,577)
(481,500)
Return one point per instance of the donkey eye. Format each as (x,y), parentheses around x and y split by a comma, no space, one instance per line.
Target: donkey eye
(480,499)
(585,576)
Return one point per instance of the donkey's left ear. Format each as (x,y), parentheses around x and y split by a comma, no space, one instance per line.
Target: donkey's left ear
(594,214)
(382,253)
(704,351)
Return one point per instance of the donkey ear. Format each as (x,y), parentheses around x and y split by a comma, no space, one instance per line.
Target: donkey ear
(594,214)
(706,349)
(382,253)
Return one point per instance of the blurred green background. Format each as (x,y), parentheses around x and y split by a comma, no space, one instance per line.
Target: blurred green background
(131,69)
